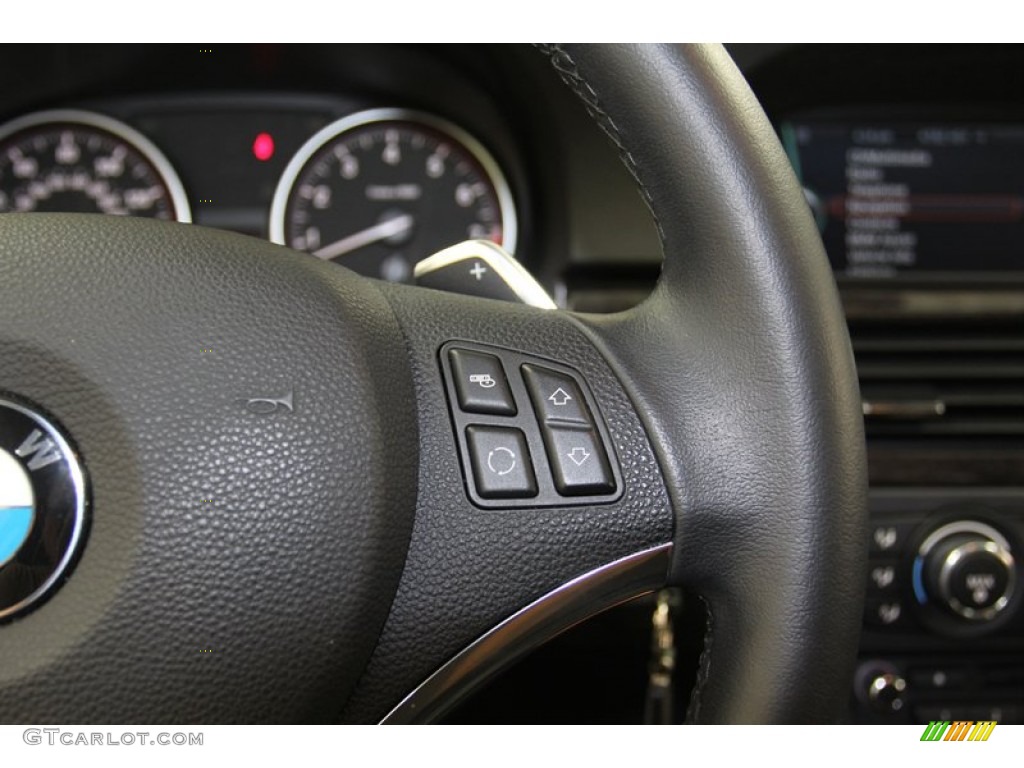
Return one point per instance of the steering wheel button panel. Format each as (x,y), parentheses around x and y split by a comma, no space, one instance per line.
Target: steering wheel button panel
(541,410)
(480,383)
(578,462)
(501,463)
(555,396)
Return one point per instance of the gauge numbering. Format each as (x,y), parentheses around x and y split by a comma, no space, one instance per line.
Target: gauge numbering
(379,190)
(69,160)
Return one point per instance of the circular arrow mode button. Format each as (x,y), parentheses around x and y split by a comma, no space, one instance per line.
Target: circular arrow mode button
(501,462)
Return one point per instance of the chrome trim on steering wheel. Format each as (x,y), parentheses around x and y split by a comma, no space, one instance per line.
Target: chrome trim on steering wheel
(540,621)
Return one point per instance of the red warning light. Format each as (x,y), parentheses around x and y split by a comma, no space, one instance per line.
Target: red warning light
(263,146)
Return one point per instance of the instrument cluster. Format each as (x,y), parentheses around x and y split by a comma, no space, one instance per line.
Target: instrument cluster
(375,189)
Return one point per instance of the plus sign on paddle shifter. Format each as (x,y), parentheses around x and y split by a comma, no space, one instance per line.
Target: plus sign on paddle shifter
(481,268)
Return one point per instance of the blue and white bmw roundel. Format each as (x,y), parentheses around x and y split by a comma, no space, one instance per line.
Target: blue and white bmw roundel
(17,506)
(42,507)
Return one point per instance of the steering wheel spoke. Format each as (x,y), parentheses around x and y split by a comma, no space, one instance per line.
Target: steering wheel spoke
(473,562)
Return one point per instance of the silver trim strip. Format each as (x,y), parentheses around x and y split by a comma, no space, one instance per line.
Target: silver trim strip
(78,480)
(127,134)
(509,221)
(543,619)
(512,273)
(903,409)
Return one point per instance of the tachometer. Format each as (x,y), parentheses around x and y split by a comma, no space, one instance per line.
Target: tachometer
(76,161)
(379,190)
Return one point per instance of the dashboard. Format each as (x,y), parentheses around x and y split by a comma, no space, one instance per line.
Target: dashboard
(377,156)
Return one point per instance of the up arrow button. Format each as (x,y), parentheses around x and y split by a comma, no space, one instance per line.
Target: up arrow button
(560,397)
(556,396)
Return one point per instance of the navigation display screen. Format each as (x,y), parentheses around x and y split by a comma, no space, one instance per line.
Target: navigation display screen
(912,199)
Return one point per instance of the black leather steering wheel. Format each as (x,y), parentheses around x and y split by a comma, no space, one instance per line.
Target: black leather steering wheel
(320,563)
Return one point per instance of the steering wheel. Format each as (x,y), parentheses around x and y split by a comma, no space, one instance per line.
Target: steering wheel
(330,560)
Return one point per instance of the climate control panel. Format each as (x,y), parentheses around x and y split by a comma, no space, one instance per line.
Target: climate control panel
(943,624)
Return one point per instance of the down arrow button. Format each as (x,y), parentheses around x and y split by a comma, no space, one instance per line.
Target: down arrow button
(579,465)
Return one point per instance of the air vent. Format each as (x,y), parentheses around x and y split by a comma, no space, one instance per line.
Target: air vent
(953,378)
(938,366)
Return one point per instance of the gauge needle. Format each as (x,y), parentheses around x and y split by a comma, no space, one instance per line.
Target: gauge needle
(381,231)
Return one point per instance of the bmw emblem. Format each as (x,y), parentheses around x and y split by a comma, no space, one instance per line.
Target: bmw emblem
(42,507)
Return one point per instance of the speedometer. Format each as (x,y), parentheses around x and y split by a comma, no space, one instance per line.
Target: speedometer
(75,161)
(379,190)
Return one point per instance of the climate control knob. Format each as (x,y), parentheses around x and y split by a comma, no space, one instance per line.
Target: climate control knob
(967,569)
